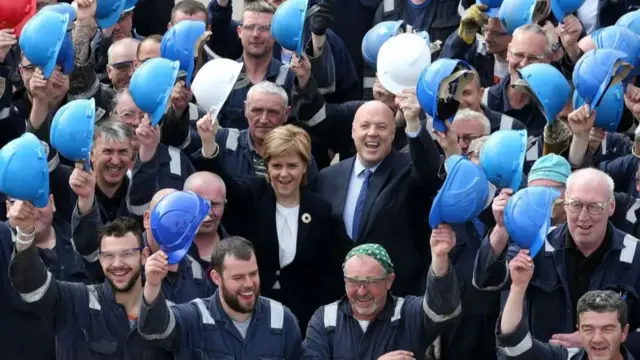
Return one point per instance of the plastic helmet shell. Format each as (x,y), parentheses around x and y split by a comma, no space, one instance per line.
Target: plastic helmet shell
(463,195)
(67,53)
(14,14)
(72,129)
(129,5)
(561,8)
(550,89)
(597,70)
(179,42)
(401,60)
(609,111)
(24,174)
(630,20)
(502,158)
(515,13)
(527,216)
(108,12)
(432,83)
(493,7)
(175,220)
(151,85)
(287,26)
(375,37)
(621,39)
(214,82)
(42,38)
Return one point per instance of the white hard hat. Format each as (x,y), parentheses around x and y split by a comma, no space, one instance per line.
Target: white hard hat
(401,60)
(213,83)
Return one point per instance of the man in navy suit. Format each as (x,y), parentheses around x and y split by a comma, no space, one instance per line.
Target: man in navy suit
(382,195)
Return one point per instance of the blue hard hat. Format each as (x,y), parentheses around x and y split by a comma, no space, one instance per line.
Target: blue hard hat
(376,36)
(42,38)
(561,8)
(151,85)
(596,71)
(108,12)
(175,220)
(515,13)
(129,5)
(178,44)
(24,174)
(621,39)
(463,195)
(548,87)
(287,26)
(72,129)
(502,158)
(67,52)
(440,98)
(630,20)
(609,111)
(493,7)
(527,216)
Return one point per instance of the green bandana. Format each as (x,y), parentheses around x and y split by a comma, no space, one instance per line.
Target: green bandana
(375,251)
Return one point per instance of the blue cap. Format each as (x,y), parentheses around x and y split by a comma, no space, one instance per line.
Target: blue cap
(550,167)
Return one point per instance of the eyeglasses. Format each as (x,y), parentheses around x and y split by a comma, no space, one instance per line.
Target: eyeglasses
(356,282)
(486,32)
(532,59)
(123,65)
(130,116)
(28,68)
(468,138)
(125,255)
(592,208)
(255,27)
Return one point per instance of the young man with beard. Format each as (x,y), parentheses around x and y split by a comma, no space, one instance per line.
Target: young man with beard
(235,323)
(105,313)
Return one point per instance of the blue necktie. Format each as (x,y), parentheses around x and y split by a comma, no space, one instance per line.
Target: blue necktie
(357,213)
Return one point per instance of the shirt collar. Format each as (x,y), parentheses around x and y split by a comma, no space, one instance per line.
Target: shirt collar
(358,168)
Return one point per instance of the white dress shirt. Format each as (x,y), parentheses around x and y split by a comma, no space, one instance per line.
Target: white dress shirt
(287,228)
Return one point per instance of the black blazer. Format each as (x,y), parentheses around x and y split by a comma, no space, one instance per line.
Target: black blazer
(398,201)
(314,278)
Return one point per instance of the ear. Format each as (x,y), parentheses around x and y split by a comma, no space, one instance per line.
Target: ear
(287,113)
(109,71)
(239,30)
(390,280)
(168,25)
(53,203)
(625,332)
(612,207)
(216,277)
(146,220)
(145,255)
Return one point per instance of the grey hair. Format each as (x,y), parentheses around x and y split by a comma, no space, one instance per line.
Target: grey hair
(538,30)
(591,176)
(124,43)
(271,89)
(468,115)
(112,129)
(603,301)
(116,98)
(260,6)
(476,145)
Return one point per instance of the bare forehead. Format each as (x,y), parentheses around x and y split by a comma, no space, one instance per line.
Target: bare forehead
(265,100)
(257,18)
(374,111)
(363,265)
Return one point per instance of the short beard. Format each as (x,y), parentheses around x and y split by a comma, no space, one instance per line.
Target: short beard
(128,286)
(232,301)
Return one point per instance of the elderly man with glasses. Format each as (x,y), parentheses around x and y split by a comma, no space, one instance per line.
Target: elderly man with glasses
(587,253)
(371,323)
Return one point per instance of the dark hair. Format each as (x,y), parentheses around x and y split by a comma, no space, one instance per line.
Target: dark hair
(120,227)
(236,246)
(154,38)
(604,301)
(189,7)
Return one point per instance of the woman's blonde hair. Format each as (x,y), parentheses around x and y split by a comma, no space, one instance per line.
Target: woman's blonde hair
(286,140)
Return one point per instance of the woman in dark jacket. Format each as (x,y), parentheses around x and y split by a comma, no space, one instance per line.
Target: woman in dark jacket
(298,260)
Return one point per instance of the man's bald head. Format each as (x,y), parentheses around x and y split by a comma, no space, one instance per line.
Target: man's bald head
(122,50)
(211,187)
(372,132)
(159,195)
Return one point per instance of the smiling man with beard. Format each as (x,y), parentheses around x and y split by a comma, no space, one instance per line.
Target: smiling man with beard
(235,323)
(106,314)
